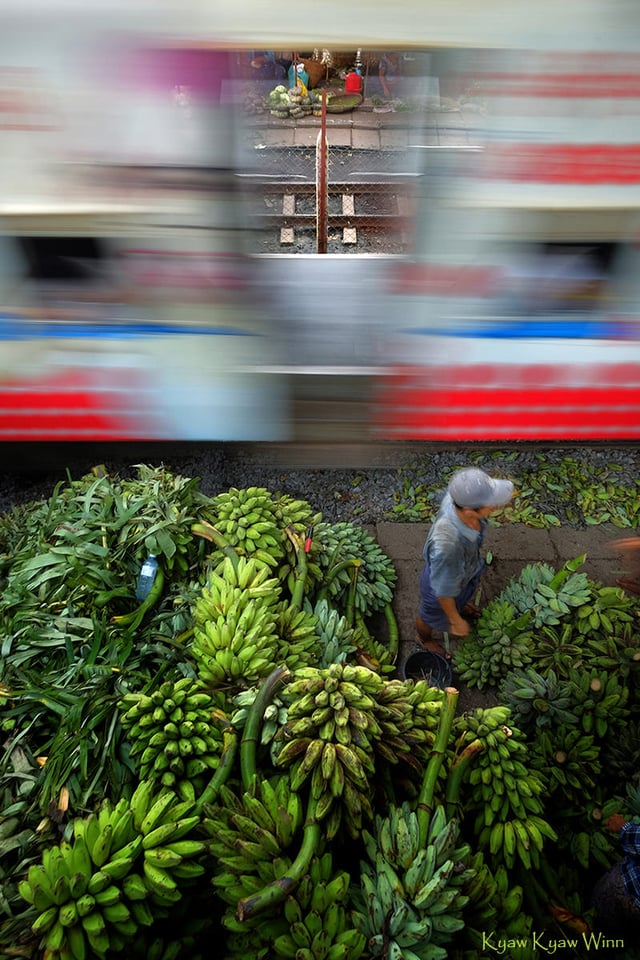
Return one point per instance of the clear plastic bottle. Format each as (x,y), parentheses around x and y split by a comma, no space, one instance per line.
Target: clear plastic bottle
(147,576)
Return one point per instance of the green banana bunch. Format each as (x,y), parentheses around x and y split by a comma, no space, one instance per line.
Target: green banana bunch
(317,916)
(250,834)
(173,734)
(372,652)
(411,898)
(298,633)
(376,578)
(501,641)
(94,892)
(507,794)
(538,700)
(297,518)
(599,701)
(247,519)
(607,611)
(408,714)
(75,888)
(620,756)
(495,904)
(569,760)
(273,718)
(235,636)
(590,848)
(327,740)
(553,604)
(335,637)
(558,649)
(551,597)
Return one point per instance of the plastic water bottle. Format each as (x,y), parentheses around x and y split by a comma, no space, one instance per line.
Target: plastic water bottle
(148,573)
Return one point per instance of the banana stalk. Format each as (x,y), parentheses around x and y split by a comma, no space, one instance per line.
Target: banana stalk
(223,770)
(133,619)
(253,723)
(209,532)
(424,807)
(277,891)
(350,609)
(332,573)
(457,773)
(394,633)
(297,595)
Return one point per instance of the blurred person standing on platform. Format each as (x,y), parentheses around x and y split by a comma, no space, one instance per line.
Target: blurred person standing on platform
(453,565)
(389,74)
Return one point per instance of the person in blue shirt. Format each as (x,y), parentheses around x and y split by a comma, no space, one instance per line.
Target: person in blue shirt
(453,564)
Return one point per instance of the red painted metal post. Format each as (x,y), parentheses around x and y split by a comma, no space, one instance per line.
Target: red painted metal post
(322,181)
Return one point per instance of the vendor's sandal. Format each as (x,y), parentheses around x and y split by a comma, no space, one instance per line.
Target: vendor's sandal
(471,611)
(629,584)
(432,647)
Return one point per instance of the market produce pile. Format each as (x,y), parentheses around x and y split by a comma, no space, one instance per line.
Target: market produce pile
(234,760)
(294,102)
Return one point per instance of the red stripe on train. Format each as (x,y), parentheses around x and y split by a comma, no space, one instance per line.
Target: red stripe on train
(486,402)
(561,85)
(591,163)
(69,406)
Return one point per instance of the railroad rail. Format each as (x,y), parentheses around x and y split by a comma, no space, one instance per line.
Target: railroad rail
(380,205)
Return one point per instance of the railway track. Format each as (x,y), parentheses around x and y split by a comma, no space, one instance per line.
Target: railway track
(375,206)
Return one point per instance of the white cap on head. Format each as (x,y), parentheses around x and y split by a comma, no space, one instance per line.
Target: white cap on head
(474,488)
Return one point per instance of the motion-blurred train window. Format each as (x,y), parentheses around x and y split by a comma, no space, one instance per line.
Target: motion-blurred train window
(63,258)
(557,277)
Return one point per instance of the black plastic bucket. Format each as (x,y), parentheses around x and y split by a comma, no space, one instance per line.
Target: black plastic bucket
(431,667)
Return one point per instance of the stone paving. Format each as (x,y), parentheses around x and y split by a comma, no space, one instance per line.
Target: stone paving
(363,128)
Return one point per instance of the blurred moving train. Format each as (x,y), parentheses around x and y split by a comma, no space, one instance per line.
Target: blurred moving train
(133,306)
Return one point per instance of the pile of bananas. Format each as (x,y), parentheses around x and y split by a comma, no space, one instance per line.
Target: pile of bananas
(298,633)
(548,595)
(590,848)
(123,868)
(599,701)
(607,611)
(340,721)
(235,637)
(507,794)
(375,577)
(174,739)
(501,641)
(317,917)
(327,740)
(249,835)
(538,700)
(269,528)
(621,757)
(558,649)
(569,760)
(247,520)
(336,637)
(274,716)
(495,905)
(411,895)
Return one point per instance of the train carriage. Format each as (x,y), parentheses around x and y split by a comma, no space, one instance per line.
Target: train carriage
(133,306)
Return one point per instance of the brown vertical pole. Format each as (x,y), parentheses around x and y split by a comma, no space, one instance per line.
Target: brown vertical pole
(322,181)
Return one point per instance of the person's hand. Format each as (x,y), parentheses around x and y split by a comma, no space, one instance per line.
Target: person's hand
(615,823)
(626,543)
(459,627)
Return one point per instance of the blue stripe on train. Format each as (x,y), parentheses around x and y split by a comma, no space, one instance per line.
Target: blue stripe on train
(14,327)
(526,330)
